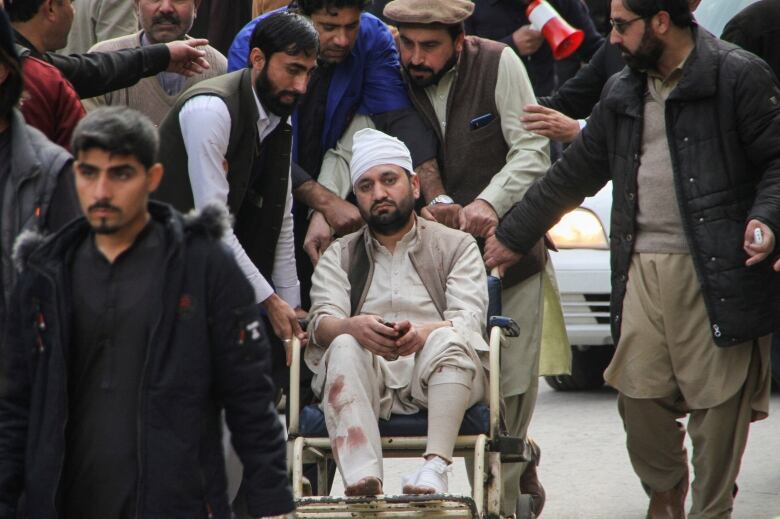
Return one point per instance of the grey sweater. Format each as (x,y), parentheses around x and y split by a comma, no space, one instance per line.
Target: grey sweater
(659,225)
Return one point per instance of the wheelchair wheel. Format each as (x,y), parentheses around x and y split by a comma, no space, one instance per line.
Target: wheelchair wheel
(524,510)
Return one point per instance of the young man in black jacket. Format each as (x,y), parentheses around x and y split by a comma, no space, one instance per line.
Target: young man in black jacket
(129,331)
(689,134)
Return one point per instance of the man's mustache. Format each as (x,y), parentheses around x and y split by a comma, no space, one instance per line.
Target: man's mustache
(295,95)
(383,201)
(166,18)
(419,68)
(103,206)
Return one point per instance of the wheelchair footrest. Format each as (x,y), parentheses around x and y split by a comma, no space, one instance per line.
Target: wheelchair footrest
(512,449)
(432,505)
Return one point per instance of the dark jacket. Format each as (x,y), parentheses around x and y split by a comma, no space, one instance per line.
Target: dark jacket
(577,96)
(757,29)
(97,73)
(498,19)
(723,128)
(208,350)
(39,193)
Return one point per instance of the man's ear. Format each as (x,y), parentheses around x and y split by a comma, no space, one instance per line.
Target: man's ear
(459,42)
(257,59)
(47,9)
(661,22)
(154,177)
(415,181)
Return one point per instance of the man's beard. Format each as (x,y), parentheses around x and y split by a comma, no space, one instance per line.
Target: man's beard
(389,222)
(648,53)
(323,58)
(103,227)
(435,77)
(270,98)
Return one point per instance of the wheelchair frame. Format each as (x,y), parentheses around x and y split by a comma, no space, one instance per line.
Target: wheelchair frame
(485,500)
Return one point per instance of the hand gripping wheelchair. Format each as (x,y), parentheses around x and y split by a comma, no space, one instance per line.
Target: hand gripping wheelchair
(405,436)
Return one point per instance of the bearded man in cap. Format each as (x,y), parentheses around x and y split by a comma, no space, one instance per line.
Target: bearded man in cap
(391,330)
(472,92)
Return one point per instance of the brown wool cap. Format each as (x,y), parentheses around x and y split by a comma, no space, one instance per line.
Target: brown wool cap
(448,12)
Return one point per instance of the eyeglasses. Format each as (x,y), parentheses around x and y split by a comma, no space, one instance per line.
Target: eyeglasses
(621,26)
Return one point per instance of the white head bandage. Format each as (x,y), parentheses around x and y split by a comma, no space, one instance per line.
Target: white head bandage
(373,148)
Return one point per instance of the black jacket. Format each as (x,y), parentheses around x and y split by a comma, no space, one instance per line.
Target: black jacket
(97,73)
(208,351)
(578,95)
(757,28)
(723,128)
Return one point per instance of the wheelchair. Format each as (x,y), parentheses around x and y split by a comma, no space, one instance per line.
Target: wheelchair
(403,436)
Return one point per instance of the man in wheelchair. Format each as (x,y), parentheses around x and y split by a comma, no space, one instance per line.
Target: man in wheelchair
(397,320)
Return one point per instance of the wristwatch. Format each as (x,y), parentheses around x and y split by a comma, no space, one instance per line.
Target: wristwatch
(441,199)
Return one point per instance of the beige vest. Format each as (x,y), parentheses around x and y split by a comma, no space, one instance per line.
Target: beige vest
(433,256)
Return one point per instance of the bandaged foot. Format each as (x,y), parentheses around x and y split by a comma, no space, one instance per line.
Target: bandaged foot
(431,478)
(369,486)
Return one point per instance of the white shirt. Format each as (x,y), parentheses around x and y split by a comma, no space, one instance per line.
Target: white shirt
(205,128)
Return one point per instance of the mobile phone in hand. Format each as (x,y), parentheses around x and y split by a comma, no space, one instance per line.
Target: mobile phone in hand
(403,331)
(391,325)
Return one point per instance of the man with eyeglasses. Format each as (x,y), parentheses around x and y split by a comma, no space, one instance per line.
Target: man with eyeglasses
(561,116)
(689,134)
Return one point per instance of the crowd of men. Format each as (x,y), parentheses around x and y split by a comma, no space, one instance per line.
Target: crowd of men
(173,214)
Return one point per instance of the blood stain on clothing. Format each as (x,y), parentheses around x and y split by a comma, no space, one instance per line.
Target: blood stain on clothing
(335,390)
(356,437)
(336,398)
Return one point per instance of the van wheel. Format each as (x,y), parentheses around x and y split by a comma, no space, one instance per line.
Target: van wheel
(587,369)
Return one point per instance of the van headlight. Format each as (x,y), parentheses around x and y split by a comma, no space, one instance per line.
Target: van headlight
(579,229)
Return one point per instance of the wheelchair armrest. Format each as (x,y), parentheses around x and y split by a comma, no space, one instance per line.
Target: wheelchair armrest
(510,327)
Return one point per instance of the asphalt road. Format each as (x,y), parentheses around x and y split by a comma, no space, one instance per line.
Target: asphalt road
(586,471)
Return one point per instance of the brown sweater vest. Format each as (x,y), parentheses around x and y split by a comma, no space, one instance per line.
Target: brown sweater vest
(470,158)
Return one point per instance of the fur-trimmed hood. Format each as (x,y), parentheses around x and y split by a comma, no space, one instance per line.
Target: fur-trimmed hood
(212,221)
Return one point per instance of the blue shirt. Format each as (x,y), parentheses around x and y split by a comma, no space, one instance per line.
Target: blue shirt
(367,82)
